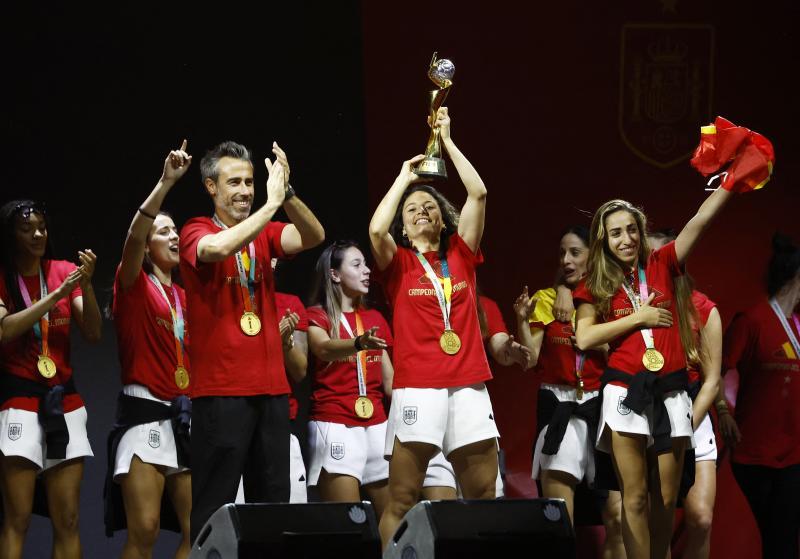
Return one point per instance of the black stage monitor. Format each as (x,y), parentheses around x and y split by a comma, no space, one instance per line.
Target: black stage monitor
(292,531)
(484,529)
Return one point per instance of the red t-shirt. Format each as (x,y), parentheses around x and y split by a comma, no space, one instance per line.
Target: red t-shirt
(767,409)
(285,301)
(703,305)
(626,351)
(419,361)
(19,356)
(226,361)
(335,385)
(145,339)
(494,318)
(556,363)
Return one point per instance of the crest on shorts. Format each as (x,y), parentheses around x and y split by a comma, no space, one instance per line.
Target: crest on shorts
(337,451)
(409,415)
(154,439)
(665,87)
(621,407)
(14,431)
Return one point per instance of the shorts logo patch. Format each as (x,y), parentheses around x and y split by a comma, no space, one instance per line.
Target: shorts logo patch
(337,451)
(14,431)
(622,408)
(154,439)
(409,415)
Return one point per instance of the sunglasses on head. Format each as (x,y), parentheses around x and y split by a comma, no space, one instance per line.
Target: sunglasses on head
(25,209)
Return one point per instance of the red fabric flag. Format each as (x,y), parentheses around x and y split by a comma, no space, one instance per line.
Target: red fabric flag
(750,154)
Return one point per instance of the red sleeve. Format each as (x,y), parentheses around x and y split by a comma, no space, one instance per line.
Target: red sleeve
(494,318)
(739,343)
(703,305)
(133,293)
(581,295)
(191,233)
(273,232)
(474,258)
(667,257)
(319,318)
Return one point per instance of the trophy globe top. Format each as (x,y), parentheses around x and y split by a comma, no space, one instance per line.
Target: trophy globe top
(441,72)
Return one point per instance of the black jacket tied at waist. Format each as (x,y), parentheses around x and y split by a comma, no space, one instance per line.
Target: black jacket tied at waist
(556,414)
(51,408)
(133,411)
(647,388)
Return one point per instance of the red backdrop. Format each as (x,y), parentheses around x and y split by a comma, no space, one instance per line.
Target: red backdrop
(562,106)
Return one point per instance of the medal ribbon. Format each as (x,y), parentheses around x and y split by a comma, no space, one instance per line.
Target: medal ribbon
(177,317)
(580,357)
(444,293)
(247,285)
(42,328)
(361,356)
(785,323)
(647,333)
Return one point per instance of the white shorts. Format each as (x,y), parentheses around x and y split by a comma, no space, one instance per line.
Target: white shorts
(22,435)
(440,473)
(448,418)
(297,475)
(352,451)
(705,442)
(618,417)
(153,443)
(575,456)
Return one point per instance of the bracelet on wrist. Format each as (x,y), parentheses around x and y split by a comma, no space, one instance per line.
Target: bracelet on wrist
(289,193)
(357,344)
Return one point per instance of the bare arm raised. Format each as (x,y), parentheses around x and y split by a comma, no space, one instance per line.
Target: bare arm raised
(175,166)
(473,213)
(382,244)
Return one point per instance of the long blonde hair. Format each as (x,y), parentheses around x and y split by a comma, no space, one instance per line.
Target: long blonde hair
(604,273)
(687,312)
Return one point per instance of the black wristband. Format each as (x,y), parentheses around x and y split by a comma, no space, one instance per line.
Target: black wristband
(289,193)
(144,213)
(357,344)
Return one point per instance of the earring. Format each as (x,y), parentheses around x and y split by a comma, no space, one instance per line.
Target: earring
(404,233)
(444,227)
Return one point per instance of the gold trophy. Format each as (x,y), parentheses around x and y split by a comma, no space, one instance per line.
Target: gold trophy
(441,73)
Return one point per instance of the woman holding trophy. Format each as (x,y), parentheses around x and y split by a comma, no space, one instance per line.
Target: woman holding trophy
(426,255)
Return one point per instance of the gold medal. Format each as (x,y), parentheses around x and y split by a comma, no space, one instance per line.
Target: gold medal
(364,407)
(182,378)
(652,359)
(250,323)
(450,342)
(579,390)
(46,366)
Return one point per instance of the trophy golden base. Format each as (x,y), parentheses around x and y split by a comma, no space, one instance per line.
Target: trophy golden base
(432,167)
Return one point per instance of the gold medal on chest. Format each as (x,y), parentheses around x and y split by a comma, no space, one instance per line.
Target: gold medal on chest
(450,342)
(182,378)
(653,360)
(250,323)
(364,407)
(46,366)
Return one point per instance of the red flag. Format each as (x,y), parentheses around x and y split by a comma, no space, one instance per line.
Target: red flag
(750,154)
